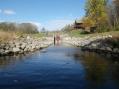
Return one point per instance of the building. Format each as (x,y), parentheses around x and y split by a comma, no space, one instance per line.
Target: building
(78,25)
(81,26)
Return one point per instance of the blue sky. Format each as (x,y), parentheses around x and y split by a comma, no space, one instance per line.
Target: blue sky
(51,14)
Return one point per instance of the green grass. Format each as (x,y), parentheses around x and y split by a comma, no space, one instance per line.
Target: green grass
(74,33)
(38,35)
(77,33)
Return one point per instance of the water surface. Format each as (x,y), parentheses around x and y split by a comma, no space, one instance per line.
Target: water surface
(59,67)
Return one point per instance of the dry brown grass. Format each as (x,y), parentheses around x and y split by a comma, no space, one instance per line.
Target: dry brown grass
(6,36)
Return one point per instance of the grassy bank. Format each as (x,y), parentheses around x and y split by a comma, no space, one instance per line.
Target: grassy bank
(8,36)
(76,33)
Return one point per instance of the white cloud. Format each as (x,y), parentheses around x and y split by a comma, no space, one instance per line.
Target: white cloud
(8,12)
(57,24)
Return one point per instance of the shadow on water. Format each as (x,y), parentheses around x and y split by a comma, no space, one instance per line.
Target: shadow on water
(100,70)
(59,67)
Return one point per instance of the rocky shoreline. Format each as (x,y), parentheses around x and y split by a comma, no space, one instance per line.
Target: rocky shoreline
(97,44)
(23,45)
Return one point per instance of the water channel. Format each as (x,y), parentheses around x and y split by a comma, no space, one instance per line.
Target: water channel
(59,67)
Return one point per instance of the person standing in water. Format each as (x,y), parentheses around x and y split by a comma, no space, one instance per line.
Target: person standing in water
(57,38)
(54,40)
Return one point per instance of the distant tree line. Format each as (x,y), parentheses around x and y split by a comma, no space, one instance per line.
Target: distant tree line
(67,28)
(28,28)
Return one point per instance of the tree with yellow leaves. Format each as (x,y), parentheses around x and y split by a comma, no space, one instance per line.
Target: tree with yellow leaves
(96,13)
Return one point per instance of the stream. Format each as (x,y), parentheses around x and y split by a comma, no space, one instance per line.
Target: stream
(59,67)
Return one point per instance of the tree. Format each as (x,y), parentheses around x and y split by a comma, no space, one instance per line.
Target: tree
(88,22)
(28,28)
(116,13)
(67,28)
(96,11)
(14,27)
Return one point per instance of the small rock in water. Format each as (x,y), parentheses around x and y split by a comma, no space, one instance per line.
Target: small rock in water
(43,51)
(67,63)
(15,81)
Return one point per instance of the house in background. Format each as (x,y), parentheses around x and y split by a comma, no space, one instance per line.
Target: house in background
(82,27)
(78,25)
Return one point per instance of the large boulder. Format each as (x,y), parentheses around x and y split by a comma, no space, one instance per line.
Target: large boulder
(109,49)
(17,44)
(23,45)
(2,51)
(15,50)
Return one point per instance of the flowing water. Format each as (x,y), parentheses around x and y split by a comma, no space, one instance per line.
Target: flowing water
(59,67)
